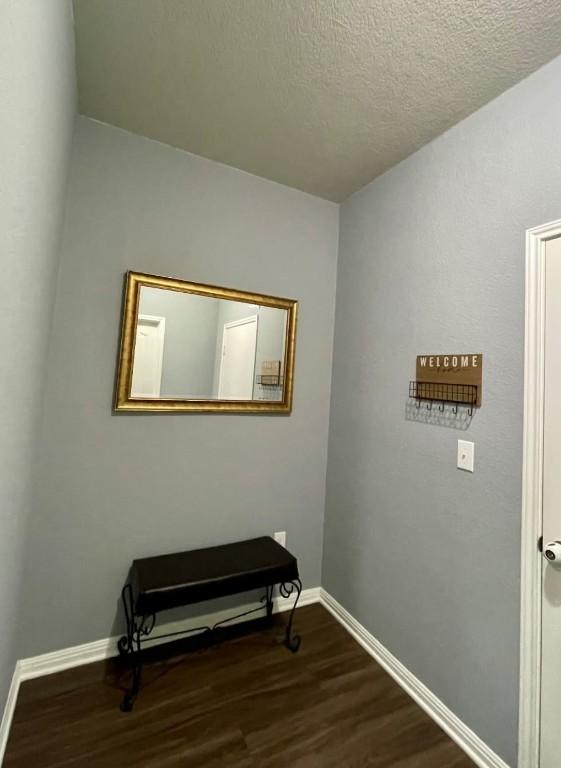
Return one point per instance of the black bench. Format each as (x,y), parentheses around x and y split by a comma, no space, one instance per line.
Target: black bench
(169,581)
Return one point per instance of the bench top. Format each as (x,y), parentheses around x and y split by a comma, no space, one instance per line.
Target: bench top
(183,578)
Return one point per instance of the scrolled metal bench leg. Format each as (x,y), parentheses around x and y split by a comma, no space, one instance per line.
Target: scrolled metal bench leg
(130,645)
(125,644)
(269,603)
(286,589)
(130,696)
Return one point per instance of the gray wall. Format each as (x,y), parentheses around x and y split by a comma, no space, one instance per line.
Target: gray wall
(111,487)
(189,343)
(37,105)
(271,342)
(431,259)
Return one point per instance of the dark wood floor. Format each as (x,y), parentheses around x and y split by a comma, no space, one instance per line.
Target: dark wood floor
(244,704)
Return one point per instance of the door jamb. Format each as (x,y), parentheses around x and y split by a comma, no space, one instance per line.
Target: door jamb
(532,491)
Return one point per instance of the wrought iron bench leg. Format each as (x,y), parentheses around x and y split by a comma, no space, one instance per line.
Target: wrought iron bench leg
(139,626)
(286,589)
(130,644)
(130,696)
(125,644)
(269,603)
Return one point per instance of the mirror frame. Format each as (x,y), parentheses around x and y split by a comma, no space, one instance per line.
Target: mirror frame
(134,281)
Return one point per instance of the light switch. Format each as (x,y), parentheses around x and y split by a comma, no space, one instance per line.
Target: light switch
(466,455)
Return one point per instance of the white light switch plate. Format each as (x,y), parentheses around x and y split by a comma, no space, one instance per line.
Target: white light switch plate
(466,455)
(280,536)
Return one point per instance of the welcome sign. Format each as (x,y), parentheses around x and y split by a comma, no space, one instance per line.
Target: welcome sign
(460,369)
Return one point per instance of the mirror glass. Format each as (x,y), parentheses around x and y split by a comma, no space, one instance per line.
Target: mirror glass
(197,347)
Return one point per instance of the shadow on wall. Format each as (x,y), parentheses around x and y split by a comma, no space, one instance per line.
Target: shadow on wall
(439,418)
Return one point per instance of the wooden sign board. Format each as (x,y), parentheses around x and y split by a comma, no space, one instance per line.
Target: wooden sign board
(450,377)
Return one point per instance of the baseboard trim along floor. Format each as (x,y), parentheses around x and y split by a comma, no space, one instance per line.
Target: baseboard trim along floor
(467,740)
(474,747)
(98,650)
(9,710)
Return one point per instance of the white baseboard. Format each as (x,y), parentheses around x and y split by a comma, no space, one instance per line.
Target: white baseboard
(9,710)
(465,738)
(57,661)
(98,650)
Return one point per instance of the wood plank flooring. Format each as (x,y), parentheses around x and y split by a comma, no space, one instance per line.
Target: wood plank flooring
(248,703)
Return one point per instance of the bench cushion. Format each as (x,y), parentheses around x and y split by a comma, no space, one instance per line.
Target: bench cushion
(168,581)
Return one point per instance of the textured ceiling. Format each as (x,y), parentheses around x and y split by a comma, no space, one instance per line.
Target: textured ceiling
(322,95)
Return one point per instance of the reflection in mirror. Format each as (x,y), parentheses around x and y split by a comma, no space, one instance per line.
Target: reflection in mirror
(203,348)
(193,347)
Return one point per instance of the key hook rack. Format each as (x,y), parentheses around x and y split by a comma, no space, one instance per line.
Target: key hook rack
(270,380)
(443,394)
(454,380)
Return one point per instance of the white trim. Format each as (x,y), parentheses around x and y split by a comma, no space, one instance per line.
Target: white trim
(458,731)
(99,650)
(532,490)
(9,710)
(48,663)
(57,661)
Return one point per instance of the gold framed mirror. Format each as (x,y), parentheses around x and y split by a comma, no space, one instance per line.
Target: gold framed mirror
(194,347)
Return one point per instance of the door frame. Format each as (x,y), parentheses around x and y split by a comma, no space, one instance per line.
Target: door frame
(532,494)
(233,324)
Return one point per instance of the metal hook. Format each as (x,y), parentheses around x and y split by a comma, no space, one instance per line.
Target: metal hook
(429,405)
(417,404)
(441,407)
(455,409)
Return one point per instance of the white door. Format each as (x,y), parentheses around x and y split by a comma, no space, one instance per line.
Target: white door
(237,368)
(550,732)
(148,356)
